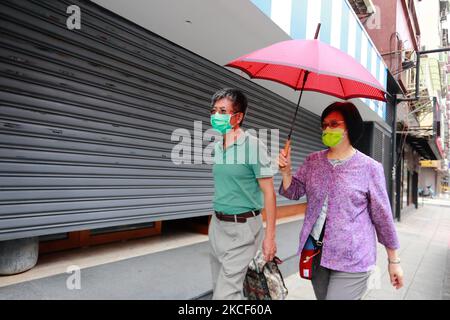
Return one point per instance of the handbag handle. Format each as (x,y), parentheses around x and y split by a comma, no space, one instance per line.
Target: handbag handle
(277,260)
(256,265)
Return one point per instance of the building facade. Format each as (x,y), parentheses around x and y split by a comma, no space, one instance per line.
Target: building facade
(403,32)
(92,93)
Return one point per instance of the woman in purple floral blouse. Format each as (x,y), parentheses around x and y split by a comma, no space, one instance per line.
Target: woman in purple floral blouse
(347,200)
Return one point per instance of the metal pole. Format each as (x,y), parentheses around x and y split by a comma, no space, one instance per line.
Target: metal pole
(434,50)
(394,158)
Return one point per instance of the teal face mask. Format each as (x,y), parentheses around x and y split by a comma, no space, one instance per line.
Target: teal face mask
(332,137)
(221,122)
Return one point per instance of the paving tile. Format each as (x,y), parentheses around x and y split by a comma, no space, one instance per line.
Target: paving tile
(419,294)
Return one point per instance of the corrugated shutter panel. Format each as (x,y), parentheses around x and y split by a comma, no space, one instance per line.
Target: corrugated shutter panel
(378,144)
(87,115)
(382,150)
(387,157)
(389,113)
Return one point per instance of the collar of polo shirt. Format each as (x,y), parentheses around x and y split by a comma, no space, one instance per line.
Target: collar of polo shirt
(241,138)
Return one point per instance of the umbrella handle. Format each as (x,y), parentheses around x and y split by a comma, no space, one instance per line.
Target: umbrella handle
(286,146)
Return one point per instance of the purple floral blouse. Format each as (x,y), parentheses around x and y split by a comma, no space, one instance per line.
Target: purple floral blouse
(358,209)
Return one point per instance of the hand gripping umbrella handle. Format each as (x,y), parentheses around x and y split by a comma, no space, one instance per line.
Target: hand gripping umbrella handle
(287,145)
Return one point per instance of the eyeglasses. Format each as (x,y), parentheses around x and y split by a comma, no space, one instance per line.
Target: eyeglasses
(333,124)
(214,111)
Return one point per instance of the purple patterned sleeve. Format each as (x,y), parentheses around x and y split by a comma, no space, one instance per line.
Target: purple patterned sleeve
(296,189)
(380,209)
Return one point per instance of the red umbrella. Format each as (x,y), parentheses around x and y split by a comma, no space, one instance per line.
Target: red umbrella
(311,65)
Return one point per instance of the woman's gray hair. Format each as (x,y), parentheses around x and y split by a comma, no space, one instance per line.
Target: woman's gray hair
(237,98)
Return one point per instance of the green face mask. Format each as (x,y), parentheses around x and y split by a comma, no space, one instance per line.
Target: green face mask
(221,122)
(332,137)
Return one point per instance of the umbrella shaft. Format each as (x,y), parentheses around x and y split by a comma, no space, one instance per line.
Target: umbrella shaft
(288,142)
(298,104)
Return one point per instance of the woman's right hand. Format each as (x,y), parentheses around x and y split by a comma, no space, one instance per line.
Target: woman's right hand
(284,161)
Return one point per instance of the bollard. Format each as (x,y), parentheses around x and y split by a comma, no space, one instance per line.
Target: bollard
(18,255)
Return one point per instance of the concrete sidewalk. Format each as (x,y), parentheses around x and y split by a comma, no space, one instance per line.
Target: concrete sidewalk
(183,272)
(178,273)
(425,254)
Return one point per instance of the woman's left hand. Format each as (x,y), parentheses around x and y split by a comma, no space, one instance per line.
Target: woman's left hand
(396,275)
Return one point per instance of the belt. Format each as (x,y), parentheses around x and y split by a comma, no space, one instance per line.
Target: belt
(240,218)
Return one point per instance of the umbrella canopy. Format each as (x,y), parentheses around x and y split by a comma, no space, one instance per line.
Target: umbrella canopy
(330,70)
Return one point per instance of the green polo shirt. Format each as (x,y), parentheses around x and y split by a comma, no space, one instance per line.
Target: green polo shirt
(236,170)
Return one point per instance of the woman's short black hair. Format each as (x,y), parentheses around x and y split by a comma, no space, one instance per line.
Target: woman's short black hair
(237,98)
(352,118)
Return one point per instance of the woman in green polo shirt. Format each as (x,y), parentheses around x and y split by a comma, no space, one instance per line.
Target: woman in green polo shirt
(243,186)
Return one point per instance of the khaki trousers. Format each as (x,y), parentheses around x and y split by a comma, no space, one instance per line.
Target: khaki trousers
(232,246)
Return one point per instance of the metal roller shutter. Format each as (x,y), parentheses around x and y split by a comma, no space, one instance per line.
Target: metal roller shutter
(86,118)
(382,150)
(376,143)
